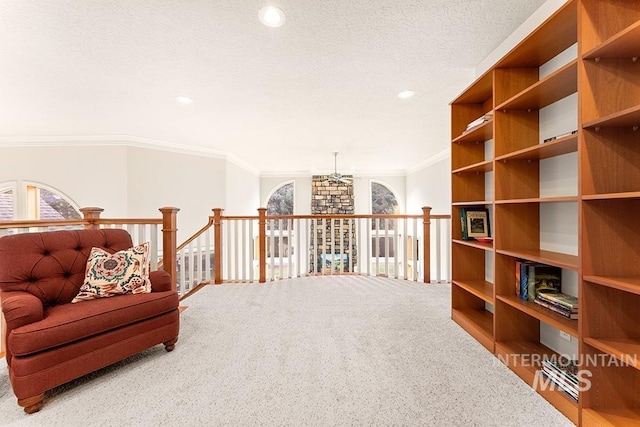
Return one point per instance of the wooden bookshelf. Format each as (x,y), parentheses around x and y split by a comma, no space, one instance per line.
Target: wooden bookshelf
(604,205)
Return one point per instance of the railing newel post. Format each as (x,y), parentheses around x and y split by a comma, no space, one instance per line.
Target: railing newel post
(262,242)
(170,243)
(91,214)
(426,243)
(217,245)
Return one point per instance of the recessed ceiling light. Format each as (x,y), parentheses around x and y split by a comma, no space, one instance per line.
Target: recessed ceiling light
(405,94)
(184,100)
(271,16)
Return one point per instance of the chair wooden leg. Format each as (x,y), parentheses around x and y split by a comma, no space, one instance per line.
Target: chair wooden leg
(171,344)
(32,404)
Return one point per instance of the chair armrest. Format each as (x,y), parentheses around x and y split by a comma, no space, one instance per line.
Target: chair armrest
(160,281)
(21,308)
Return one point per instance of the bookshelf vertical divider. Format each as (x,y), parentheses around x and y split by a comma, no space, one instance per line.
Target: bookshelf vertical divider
(499,164)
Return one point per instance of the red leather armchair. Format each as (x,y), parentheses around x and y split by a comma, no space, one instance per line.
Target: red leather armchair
(51,341)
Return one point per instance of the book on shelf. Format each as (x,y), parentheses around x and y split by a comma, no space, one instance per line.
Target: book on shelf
(533,278)
(522,275)
(542,278)
(474,223)
(480,120)
(563,374)
(561,311)
(562,135)
(561,384)
(518,275)
(565,301)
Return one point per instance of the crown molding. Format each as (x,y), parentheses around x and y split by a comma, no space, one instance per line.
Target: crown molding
(444,154)
(156,144)
(123,141)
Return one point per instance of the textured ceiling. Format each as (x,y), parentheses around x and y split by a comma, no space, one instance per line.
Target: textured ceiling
(280,99)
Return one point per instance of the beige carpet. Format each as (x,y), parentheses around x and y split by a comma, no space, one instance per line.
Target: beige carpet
(321,351)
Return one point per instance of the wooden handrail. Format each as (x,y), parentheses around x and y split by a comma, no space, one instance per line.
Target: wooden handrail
(195,236)
(337,216)
(39,223)
(125,221)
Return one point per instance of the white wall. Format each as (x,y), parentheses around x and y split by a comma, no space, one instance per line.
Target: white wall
(243,196)
(430,186)
(193,183)
(90,176)
(129,181)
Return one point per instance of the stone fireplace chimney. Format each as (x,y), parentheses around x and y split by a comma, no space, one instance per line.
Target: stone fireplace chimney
(330,197)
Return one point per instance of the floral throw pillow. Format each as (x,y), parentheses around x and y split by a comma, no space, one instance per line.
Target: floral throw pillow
(107,275)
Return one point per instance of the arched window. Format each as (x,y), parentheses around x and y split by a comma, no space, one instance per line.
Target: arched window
(7,202)
(383,201)
(35,202)
(47,204)
(280,203)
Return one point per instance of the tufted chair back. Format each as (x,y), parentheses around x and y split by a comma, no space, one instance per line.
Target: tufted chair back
(51,265)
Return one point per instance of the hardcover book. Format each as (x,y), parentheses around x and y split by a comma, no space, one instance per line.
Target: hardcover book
(561,311)
(569,302)
(474,223)
(523,284)
(542,278)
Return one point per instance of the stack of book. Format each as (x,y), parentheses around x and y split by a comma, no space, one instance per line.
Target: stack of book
(563,375)
(563,304)
(534,278)
(480,120)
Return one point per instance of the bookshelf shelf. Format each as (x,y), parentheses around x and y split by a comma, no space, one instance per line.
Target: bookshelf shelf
(478,92)
(556,259)
(620,417)
(629,284)
(624,44)
(479,134)
(626,350)
(552,37)
(552,88)
(558,147)
(612,196)
(628,117)
(559,199)
(485,166)
(474,244)
(478,203)
(480,288)
(569,326)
